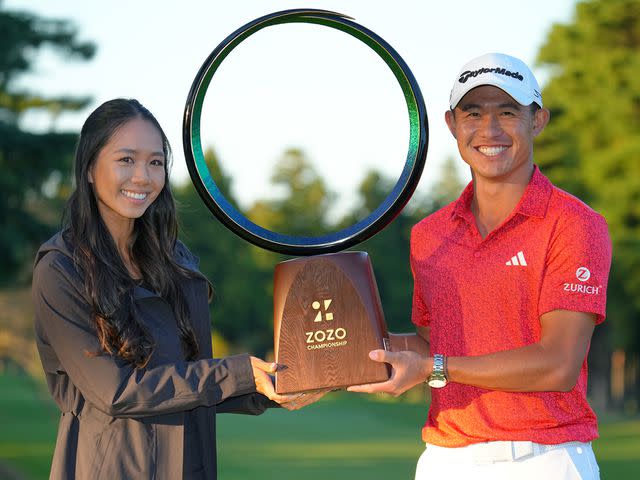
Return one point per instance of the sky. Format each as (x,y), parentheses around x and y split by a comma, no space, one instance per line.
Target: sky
(302,86)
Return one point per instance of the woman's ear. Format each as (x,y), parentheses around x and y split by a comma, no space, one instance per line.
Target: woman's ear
(90,175)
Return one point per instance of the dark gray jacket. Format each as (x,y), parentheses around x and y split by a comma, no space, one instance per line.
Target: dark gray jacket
(119,422)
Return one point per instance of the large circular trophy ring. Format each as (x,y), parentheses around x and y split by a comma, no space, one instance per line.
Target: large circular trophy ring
(335,241)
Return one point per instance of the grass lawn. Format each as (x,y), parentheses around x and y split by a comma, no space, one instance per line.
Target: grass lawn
(618,448)
(28,425)
(345,436)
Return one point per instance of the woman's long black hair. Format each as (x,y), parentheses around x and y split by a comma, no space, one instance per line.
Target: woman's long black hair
(107,280)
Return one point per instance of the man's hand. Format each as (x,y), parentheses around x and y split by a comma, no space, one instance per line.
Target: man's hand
(408,369)
(264,385)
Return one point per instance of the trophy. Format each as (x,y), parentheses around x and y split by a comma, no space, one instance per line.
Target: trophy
(327,310)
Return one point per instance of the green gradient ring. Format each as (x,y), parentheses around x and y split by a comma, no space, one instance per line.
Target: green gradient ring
(335,241)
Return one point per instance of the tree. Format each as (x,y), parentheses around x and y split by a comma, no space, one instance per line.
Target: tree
(389,253)
(34,165)
(302,207)
(591,146)
(449,185)
(389,249)
(241,309)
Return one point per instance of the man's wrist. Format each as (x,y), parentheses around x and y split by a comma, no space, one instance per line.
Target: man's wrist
(438,376)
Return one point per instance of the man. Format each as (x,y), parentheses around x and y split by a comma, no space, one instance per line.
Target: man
(509,282)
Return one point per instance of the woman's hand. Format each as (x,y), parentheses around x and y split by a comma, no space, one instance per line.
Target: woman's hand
(264,384)
(303,399)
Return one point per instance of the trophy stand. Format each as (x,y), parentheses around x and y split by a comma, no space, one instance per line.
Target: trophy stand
(327,317)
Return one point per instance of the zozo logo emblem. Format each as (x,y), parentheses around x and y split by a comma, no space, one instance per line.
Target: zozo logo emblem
(330,334)
(327,315)
(583,274)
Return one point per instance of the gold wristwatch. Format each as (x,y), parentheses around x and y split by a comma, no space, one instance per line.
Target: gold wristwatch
(438,377)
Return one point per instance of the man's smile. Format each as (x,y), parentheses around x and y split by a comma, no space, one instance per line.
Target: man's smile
(491,151)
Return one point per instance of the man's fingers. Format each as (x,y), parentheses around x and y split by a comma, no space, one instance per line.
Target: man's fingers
(407,371)
(382,356)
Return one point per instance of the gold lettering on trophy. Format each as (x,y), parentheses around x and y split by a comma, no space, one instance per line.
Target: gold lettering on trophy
(319,346)
(328,338)
(316,306)
(329,334)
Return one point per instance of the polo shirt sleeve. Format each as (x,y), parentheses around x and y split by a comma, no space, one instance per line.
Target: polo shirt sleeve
(577,266)
(419,312)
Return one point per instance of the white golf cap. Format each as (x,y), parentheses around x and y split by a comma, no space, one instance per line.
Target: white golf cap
(503,71)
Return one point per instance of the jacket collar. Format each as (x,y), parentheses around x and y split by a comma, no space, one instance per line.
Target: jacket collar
(60,243)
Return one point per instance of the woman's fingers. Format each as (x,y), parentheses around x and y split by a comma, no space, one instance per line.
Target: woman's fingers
(268,367)
(264,385)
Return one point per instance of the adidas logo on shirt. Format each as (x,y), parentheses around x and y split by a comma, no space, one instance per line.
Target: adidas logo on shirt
(517,260)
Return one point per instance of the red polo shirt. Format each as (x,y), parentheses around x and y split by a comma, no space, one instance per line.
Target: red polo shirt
(486,295)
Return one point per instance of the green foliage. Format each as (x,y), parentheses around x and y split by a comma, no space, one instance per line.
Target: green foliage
(388,251)
(591,146)
(241,307)
(35,166)
(449,185)
(305,199)
(24,34)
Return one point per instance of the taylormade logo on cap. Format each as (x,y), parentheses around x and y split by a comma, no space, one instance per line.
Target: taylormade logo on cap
(502,71)
(499,70)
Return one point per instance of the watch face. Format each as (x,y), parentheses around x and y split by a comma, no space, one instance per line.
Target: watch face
(437,382)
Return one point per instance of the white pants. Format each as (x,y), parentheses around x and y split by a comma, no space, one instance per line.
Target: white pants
(509,460)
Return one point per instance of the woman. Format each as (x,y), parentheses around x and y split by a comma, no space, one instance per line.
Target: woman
(122,323)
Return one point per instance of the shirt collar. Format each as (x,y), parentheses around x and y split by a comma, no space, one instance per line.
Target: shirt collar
(462,207)
(535,200)
(533,203)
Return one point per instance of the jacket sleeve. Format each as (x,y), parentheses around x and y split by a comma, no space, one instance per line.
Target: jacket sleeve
(250,404)
(63,324)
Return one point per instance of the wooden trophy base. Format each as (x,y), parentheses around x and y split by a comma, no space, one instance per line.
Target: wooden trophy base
(327,318)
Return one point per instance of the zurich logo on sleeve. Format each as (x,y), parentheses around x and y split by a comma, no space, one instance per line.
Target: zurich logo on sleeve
(583,274)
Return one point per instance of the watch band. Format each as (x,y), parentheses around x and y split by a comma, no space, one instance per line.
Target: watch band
(438,377)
